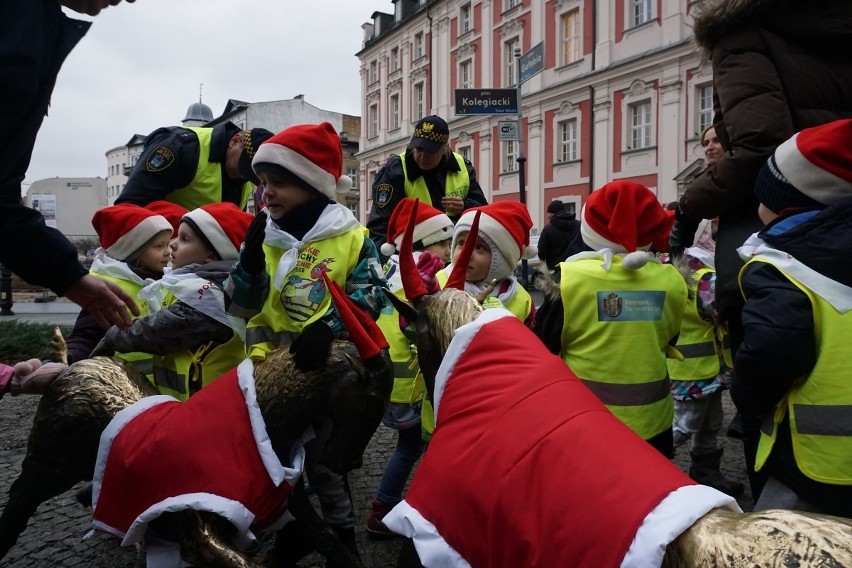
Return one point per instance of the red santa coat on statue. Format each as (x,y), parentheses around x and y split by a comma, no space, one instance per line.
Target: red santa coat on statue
(528,468)
(210,453)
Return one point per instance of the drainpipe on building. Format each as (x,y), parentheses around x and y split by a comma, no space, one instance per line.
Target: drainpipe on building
(592,99)
(431,85)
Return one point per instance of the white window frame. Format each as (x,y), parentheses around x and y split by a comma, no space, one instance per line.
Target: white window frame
(510,156)
(465,152)
(418,45)
(374,72)
(640,124)
(353,174)
(394,59)
(510,64)
(509,4)
(393,112)
(570,40)
(373,120)
(466,74)
(703,107)
(567,148)
(465,18)
(641,12)
(397,11)
(418,100)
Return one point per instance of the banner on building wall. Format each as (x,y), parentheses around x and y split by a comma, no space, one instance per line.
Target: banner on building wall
(46,205)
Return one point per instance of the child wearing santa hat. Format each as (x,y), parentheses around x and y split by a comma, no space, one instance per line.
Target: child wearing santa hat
(618,309)
(278,284)
(190,335)
(792,369)
(433,231)
(134,253)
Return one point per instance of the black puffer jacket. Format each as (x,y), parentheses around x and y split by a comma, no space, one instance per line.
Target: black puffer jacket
(556,237)
(778,66)
(779,344)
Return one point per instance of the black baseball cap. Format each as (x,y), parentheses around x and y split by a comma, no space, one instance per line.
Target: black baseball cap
(430,134)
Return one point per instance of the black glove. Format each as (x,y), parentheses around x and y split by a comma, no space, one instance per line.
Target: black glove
(682,235)
(310,349)
(252,257)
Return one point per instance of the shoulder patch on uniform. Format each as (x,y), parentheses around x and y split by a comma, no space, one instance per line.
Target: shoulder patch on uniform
(383,194)
(159,159)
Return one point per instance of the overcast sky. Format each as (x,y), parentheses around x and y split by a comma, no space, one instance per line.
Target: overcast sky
(140,67)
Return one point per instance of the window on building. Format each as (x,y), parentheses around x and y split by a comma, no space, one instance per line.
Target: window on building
(567,141)
(465,152)
(418,101)
(394,59)
(353,175)
(374,71)
(640,12)
(373,124)
(512,3)
(465,19)
(466,74)
(418,45)
(570,36)
(397,11)
(509,62)
(705,107)
(510,156)
(393,112)
(640,125)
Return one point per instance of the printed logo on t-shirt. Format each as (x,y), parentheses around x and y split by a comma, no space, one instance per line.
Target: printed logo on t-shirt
(645,305)
(159,159)
(383,194)
(305,291)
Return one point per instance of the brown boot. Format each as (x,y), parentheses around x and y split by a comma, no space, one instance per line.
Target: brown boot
(705,470)
(375,526)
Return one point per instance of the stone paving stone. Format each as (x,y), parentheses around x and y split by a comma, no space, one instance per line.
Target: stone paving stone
(55,535)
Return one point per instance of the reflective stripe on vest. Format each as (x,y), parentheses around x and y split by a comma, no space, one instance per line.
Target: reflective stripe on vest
(617,326)
(696,342)
(457,184)
(206,184)
(406,386)
(820,407)
(303,298)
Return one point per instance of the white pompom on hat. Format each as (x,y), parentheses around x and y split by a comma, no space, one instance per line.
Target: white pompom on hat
(432,225)
(124,229)
(505,225)
(222,225)
(312,153)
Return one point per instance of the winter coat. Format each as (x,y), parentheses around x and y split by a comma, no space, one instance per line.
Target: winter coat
(556,237)
(779,345)
(779,66)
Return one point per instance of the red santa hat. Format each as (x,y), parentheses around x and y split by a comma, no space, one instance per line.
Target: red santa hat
(626,217)
(811,169)
(310,152)
(171,211)
(432,226)
(125,229)
(505,226)
(222,225)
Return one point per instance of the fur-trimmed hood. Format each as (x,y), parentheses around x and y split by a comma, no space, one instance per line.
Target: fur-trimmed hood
(823,21)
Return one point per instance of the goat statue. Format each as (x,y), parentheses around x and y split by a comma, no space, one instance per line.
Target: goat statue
(98,402)
(527,467)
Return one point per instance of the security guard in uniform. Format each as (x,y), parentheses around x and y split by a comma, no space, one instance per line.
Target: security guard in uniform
(195,166)
(427,170)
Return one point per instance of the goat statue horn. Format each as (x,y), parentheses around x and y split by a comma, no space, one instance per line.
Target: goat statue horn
(363,331)
(412,282)
(459,274)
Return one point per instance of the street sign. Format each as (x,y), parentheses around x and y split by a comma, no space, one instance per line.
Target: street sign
(532,62)
(486,101)
(508,130)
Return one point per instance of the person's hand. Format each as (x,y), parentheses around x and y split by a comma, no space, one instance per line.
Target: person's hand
(310,349)
(107,303)
(428,264)
(90,7)
(452,205)
(252,257)
(31,377)
(681,237)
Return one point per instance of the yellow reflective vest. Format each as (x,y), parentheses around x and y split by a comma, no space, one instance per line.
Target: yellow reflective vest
(142,361)
(206,185)
(183,373)
(617,326)
(457,184)
(700,342)
(302,297)
(819,407)
(408,383)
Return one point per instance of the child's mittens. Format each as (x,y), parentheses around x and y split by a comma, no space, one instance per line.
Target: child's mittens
(310,350)
(252,257)
(31,377)
(428,265)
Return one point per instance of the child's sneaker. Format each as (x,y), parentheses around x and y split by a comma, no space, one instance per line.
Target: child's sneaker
(375,526)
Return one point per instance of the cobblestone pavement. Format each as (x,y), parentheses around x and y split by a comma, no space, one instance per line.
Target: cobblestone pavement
(54,537)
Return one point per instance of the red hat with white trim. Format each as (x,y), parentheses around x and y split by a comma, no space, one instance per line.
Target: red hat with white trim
(813,168)
(171,211)
(125,229)
(310,152)
(222,225)
(432,226)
